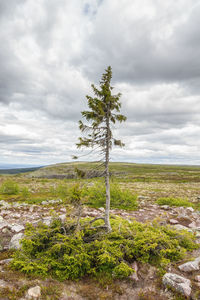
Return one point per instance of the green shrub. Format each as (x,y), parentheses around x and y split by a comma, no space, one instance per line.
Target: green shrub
(25,192)
(9,187)
(174,202)
(122,199)
(62,252)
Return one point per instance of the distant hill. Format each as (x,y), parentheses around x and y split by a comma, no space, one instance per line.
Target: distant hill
(18,170)
(130,171)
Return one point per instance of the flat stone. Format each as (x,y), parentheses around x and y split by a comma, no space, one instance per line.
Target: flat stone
(17,228)
(178,283)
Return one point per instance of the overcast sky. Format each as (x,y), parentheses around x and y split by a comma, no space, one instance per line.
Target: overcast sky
(52,50)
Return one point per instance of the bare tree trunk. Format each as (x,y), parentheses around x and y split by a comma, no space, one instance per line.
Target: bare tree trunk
(107,183)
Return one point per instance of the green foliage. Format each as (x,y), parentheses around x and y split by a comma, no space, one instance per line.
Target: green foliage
(9,187)
(120,198)
(174,202)
(63,253)
(25,192)
(104,110)
(75,194)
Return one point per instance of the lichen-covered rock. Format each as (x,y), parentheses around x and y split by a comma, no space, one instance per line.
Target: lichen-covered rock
(15,241)
(34,292)
(178,283)
(190,266)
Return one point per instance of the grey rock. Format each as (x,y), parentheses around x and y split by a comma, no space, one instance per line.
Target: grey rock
(165,207)
(5,261)
(47,221)
(172,221)
(17,228)
(62,218)
(14,243)
(189,266)
(4,204)
(3,224)
(178,283)
(197,278)
(181,227)
(190,209)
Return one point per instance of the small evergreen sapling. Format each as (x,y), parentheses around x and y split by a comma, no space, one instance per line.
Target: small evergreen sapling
(104,111)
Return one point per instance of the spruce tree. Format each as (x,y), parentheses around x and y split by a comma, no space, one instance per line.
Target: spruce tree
(104,111)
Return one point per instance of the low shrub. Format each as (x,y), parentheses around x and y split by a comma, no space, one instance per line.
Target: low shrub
(63,253)
(9,187)
(174,202)
(120,198)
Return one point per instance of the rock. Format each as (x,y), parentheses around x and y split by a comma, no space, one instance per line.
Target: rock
(3,224)
(102,209)
(47,221)
(190,266)
(14,243)
(4,285)
(34,292)
(62,218)
(172,221)
(5,261)
(1,219)
(178,283)
(4,204)
(165,207)
(192,225)
(197,278)
(190,209)
(181,227)
(17,228)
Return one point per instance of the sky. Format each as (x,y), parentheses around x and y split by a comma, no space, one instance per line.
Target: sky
(52,51)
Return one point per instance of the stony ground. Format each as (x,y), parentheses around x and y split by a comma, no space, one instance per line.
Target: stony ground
(146,284)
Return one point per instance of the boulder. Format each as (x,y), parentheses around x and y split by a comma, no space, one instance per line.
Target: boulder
(14,243)
(178,283)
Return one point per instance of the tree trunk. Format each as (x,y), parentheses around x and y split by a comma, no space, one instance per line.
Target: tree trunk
(107,183)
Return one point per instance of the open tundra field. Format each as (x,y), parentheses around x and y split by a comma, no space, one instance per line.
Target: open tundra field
(152,253)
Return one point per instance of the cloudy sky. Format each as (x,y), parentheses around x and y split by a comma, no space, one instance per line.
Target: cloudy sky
(50,53)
